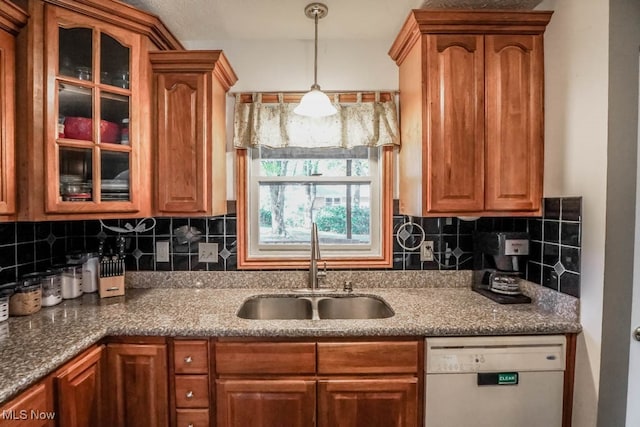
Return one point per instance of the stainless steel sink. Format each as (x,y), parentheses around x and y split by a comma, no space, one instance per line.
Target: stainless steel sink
(276,307)
(284,307)
(355,307)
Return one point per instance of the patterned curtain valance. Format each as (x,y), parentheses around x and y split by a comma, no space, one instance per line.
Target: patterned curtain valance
(359,121)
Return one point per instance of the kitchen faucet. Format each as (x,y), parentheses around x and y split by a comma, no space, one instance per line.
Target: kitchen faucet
(314,274)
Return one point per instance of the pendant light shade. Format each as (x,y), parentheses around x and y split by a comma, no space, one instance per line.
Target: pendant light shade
(315,103)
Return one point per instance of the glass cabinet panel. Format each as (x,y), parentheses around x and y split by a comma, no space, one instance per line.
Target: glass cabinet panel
(93,111)
(76,53)
(76,170)
(115,175)
(114,62)
(114,109)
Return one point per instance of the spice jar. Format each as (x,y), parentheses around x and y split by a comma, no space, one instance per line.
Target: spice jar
(6,291)
(71,281)
(51,281)
(27,298)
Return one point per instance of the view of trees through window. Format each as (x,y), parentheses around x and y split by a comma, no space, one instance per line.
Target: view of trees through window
(300,186)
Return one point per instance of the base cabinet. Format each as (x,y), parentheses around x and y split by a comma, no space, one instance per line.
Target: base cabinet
(136,386)
(256,403)
(32,408)
(368,403)
(328,383)
(78,388)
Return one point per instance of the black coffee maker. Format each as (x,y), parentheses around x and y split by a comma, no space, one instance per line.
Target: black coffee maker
(500,261)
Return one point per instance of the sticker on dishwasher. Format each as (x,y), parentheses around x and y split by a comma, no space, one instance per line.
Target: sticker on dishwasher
(497,378)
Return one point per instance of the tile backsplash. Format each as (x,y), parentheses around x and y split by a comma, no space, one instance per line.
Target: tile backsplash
(554,260)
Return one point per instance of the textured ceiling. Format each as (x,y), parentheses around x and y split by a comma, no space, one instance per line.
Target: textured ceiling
(192,20)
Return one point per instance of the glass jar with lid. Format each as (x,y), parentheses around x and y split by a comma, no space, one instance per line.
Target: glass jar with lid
(51,281)
(6,291)
(27,297)
(71,281)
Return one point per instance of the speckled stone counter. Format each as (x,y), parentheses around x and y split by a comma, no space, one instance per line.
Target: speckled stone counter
(33,346)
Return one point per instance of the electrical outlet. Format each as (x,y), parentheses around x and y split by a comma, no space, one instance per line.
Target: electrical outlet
(208,252)
(162,251)
(426,251)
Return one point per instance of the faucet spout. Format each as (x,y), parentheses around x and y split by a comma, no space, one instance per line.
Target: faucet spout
(315,257)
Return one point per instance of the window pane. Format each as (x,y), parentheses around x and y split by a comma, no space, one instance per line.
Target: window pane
(114,62)
(75,174)
(75,53)
(314,162)
(115,175)
(342,212)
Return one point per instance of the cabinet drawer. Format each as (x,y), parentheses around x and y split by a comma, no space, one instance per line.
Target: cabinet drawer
(191,356)
(265,358)
(192,418)
(378,357)
(192,391)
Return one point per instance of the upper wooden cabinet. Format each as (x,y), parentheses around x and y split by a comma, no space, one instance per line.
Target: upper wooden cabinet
(84,115)
(471,107)
(189,122)
(12,19)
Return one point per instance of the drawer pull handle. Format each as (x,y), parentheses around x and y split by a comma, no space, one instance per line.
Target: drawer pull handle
(188,359)
(189,394)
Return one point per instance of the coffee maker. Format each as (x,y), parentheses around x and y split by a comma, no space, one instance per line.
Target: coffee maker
(500,260)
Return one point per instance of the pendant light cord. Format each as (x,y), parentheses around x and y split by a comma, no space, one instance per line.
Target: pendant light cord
(315,53)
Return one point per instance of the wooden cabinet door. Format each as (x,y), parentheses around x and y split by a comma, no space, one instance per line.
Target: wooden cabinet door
(368,403)
(31,408)
(137,390)
(454,78)
(514,98)
(182,159)
(190,130)
(79,387)
(7,124)
(261,403)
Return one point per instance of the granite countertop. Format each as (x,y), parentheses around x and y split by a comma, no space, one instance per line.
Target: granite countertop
(33,346)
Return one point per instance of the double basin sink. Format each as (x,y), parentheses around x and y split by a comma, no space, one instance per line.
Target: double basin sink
(314,307)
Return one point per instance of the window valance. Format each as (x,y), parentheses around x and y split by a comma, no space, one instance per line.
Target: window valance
(363,119)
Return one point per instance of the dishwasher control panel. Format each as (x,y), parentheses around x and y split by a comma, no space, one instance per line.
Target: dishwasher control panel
(495,354)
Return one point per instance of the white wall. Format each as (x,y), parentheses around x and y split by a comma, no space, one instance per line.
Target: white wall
(576,102)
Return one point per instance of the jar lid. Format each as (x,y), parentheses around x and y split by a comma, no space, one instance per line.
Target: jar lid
(125,121)
(27,287)
(33,275)
(7,289)
(50,272)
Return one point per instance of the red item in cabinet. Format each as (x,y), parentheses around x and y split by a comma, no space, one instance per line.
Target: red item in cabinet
(81,128)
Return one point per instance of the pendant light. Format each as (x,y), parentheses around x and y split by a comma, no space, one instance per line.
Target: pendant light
(315,103)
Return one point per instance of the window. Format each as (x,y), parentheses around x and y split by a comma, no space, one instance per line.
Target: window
(335,171)
(345,191)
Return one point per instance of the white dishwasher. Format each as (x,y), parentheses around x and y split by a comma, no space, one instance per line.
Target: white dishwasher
(514,381)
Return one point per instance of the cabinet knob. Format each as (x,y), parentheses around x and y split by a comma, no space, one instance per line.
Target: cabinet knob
(636,334)
(190,425)
(189,394)
(188,359)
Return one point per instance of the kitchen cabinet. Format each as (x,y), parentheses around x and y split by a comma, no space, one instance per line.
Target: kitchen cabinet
(32,408)
(368,384)
(78,390)
(471,103)
(12,19)
(83,112)
(191,389)
(190,130)
(324,383)
(137,384)
(265,383)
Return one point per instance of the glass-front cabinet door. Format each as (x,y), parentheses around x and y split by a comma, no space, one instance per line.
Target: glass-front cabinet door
(92,144)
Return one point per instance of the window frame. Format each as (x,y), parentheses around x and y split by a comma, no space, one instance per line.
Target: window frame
(382,260)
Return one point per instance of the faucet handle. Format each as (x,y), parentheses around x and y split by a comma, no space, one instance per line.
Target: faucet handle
(324,272)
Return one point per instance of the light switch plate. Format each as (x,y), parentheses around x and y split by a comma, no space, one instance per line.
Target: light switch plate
(208,252)
(426,251)
(162,251)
